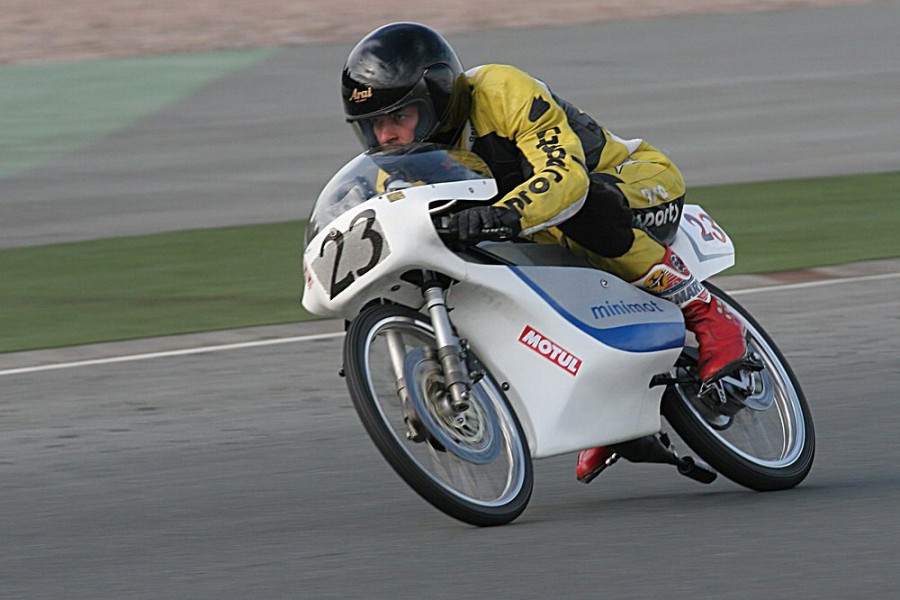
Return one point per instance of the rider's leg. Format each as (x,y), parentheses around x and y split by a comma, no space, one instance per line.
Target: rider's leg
(639,258)
(720,337)
(611,231)
(630,213)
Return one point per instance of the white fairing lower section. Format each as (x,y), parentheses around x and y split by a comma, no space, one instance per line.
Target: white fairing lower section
(607,399)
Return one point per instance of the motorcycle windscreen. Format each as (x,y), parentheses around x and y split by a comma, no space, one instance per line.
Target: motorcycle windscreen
(385,170)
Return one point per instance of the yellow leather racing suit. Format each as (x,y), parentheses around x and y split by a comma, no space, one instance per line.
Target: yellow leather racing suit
(555,166)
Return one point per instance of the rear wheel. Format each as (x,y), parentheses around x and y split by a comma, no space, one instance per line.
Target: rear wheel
(766,442)
(474,465)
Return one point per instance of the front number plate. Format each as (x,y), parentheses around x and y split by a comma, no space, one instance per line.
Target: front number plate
(345,256)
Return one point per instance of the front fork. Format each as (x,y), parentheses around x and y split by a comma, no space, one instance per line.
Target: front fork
(449,351)
(449,348)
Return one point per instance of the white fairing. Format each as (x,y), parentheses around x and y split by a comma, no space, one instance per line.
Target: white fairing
(702,244)
(570,389)
(576,346)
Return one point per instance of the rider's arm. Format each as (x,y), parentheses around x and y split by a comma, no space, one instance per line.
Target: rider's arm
(520,109)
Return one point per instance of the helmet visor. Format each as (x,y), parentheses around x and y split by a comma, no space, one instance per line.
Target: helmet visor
(414,121)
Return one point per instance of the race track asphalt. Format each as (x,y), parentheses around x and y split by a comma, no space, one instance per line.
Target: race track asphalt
(245,473)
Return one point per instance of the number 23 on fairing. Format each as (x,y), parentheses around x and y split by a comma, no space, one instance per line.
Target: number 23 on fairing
(340,268)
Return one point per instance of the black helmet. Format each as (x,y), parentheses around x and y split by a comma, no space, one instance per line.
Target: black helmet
(401,64)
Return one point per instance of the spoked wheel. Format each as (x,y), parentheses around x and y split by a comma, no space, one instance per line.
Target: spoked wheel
(474,465)
(765,441)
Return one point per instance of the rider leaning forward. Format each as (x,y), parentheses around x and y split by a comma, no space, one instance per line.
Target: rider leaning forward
(563,178)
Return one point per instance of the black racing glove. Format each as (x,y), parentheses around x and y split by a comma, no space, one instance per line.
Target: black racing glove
(481,223)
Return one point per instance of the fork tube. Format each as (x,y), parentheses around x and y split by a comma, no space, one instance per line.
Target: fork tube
(448,346)
(397,353)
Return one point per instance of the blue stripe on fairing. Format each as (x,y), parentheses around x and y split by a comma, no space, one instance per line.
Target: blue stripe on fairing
(637,337)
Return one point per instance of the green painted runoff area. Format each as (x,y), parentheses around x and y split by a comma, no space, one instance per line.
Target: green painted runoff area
(203,280)
(48,110)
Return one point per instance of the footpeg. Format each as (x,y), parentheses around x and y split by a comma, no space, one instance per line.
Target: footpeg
(749,387)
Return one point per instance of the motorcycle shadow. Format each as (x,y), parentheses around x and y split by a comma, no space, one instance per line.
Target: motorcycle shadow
(640,491)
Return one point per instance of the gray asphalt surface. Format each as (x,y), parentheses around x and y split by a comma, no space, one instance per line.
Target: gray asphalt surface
(731,98)
(246,474)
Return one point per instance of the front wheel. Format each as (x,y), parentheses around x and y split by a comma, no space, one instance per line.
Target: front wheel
(765,445)
(475,465)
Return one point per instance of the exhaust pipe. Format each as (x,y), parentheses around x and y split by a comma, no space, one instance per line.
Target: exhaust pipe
(658,449)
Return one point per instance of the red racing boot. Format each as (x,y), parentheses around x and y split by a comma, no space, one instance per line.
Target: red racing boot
(722,345)
(592,461)
(720,336)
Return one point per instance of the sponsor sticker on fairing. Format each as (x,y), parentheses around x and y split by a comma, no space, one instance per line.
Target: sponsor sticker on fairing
(550,350)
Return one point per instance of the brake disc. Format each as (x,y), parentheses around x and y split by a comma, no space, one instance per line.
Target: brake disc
(473,434)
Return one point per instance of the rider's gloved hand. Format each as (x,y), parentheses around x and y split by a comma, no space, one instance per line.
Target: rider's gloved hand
(482,223)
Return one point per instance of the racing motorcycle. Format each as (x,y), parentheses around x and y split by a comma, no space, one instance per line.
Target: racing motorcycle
(466,362)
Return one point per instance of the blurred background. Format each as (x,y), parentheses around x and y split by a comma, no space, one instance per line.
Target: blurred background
(132,118)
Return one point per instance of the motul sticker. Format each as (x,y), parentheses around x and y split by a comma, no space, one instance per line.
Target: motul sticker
(549,350)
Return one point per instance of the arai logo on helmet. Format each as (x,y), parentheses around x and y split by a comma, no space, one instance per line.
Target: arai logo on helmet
(549,350)
(360,96)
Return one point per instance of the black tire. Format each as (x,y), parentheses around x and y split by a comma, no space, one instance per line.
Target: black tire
(493,490)
(740,448)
